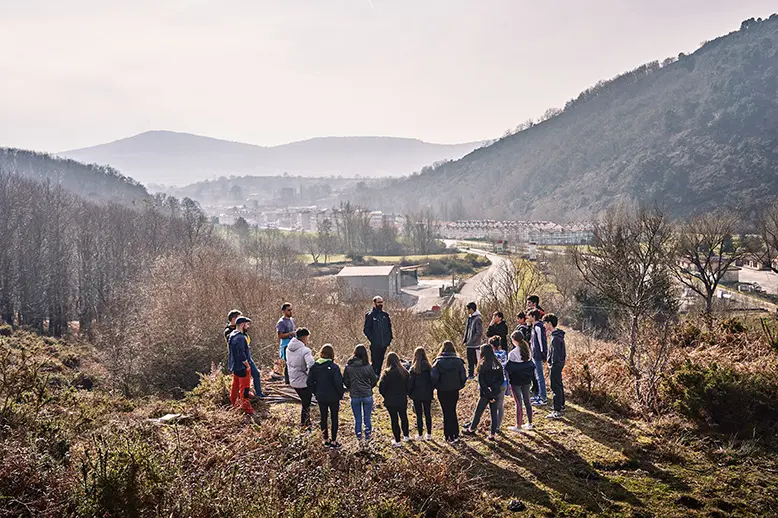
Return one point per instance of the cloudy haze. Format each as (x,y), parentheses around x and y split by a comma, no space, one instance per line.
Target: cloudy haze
(82,72)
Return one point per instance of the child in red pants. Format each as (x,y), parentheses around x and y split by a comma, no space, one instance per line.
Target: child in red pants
(238,364)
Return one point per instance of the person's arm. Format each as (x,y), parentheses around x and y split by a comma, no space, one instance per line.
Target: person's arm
(309,361)
(338,380)
(462,375)
(382,385)
(411,381)
(368,328)
(373,378)
(434,375)
(389,323)
(543,344)
(347,377)
(283,335)
(478,330)
(490,331)
(311,382)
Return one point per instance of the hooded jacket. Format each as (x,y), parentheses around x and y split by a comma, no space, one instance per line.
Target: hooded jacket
(525,331)
(299,361)
(394,387)
(538,342)
(490,380)
(520,372)
(359,378)
(326,381)
(474,331)
(378,328)
(421,385)
(448,373)
(557,353)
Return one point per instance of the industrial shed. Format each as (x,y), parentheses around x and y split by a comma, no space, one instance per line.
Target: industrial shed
(372,280)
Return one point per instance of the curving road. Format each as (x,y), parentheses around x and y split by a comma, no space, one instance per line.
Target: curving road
(470,289)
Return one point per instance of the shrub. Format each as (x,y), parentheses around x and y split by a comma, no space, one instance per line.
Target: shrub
(732,326)
(725,399)
(6,330)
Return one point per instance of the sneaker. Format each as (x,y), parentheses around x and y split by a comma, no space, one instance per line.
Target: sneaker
(492,437)
(468,431)
(327,444)
(554,415)
(527,426)
(335,445)
(516,429)
(368,436)
(428,437)
(396,444)
(407,438)
(540,402)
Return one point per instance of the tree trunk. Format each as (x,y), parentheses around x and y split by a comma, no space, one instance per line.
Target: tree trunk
(707,316)
(633,345)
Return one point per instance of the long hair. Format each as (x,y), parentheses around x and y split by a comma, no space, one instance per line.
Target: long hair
(393,364)
(522,344)
(360,352)
(448,347)
(488,359)
(495,342)
(420,361)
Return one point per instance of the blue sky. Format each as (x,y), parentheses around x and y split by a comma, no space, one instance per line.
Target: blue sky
(83,72)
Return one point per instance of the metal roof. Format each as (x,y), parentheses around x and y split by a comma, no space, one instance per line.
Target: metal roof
(366,271)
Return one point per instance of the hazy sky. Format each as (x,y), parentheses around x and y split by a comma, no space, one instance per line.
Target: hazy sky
(75,73)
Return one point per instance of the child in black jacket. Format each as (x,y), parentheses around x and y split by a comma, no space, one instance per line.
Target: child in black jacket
(421,392)
(521,372)
(394,386)
(490,379)
(326,383)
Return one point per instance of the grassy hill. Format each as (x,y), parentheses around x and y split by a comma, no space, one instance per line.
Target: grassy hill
(692,133)
(93,182)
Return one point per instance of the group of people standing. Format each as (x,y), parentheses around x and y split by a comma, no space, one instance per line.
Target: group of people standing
(507,364)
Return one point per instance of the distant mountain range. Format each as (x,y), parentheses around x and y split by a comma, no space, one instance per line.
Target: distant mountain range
(166,157)
(691,133)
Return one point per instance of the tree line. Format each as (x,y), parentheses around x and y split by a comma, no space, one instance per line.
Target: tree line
(64,258)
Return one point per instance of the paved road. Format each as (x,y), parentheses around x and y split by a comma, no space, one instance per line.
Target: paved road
(767,280)
(471,288)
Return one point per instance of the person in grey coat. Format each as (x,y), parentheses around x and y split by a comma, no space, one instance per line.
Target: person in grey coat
(473,339)
(360,378)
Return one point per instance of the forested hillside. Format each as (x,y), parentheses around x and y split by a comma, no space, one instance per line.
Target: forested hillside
(692,133)
(94,182)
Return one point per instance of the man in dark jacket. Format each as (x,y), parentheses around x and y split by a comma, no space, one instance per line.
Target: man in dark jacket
(449,377)
(498,327)
(539,350)
(557,356)
(473,339)
(524,329)
(238,365)
(378,330)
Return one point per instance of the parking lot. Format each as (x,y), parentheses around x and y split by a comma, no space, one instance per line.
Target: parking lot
(766,279)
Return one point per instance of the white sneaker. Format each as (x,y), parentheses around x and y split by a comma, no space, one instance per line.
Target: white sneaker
(514,429)
(527,426)
(428,437)
(554,415)
(396,444)
(407,438)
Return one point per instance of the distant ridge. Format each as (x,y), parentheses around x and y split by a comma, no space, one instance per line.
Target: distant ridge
(166,157)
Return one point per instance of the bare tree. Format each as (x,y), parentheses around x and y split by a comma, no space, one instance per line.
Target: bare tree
(326,238)
(422,230)
(767,226)
(706,249)
(629,263)
(509,286)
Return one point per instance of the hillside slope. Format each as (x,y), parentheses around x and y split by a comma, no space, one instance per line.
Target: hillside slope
(182,158)
(96,183)
(692,134)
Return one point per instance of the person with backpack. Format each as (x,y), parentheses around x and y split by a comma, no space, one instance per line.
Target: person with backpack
(473,337)
(326,383)
(448,376)
(378,330)
(359,379)
(238,365)
(490,380)
(539,349)
(394,385)
(521,372)
(299,360)
(421,392)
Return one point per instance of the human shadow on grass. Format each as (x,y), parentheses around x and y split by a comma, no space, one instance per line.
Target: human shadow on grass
(616,436)
(507,483)
(565,471)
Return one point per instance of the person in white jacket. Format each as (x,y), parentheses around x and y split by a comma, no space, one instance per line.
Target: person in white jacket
(299,360)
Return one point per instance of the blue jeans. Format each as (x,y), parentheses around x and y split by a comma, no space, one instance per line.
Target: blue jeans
(360,406)
(541,379)
(255,377)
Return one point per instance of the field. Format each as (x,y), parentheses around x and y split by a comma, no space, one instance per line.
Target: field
(391,259)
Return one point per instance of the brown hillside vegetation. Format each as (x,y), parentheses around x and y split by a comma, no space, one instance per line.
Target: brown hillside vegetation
(71,446)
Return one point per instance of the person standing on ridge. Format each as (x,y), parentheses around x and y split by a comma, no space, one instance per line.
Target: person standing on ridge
(473,339)
(326,383)
(533,302)
(539,349)
(228,329)
(557,356)
(498,327)
(449,377)
(526,333)
(360,378)
(378,330)
(286,331)
(238,365)
(299,360)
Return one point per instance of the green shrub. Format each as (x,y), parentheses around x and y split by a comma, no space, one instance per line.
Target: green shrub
(725,399)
